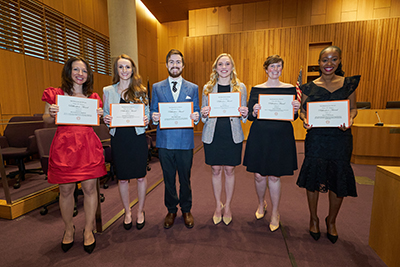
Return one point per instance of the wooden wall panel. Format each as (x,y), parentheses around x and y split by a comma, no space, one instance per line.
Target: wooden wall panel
(72,8)
(36,83)
(288,13)
(14,94)
(87,13)
(100,16)
(364,44)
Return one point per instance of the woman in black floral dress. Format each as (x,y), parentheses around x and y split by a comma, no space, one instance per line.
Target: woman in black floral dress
(326,166)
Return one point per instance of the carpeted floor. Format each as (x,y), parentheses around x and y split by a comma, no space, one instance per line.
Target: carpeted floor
(34,240)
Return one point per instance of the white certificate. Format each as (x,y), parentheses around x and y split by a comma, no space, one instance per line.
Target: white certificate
(328,113)
(224,104)
(77,110)
(175,115)
(276,107)
(127,115)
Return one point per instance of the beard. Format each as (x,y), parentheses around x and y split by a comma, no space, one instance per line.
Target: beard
(175,75)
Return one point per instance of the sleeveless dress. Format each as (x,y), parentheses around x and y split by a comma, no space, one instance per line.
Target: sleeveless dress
(129,152)
(223,150)
(76,153)
(270,147)
(328,151)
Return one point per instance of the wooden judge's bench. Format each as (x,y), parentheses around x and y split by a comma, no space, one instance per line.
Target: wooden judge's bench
(376,145)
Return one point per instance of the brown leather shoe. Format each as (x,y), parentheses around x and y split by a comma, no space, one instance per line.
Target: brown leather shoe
(169,220)
(188,218)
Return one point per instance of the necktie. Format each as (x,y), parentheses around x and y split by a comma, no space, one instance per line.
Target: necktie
(174,89)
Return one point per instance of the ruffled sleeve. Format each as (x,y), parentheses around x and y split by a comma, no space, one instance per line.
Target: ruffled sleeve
(352,83)
(50,94)
(96,96)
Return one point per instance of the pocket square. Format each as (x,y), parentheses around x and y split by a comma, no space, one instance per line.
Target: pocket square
(188,97)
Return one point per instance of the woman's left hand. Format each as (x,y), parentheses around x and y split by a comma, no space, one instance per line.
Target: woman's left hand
(296,105)
(343,127)
(145,120)
(100,112)
(244,111)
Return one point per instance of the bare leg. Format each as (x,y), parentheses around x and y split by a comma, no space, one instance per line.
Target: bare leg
(217,187)
(89,188)
(275,195)
(229,187)
(334,207)
(141,187)
(66,203)
(312,198)
(261,186)
(123,186)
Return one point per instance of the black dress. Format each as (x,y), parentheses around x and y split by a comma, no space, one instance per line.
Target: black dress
(328,151)
(270,148)
(129,152)
(222,150)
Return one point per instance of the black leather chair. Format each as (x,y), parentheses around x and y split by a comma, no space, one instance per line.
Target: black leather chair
(393,105)
(363,105)
(105,138)
(19,143)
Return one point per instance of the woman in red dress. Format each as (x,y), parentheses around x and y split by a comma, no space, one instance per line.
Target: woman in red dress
(76,153)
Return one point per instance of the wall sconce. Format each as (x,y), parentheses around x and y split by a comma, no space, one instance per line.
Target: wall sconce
(214,10)
(229,8)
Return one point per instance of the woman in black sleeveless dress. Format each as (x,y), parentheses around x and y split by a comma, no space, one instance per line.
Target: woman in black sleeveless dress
(326,165)
(270,149)
(223,136)
(128,144)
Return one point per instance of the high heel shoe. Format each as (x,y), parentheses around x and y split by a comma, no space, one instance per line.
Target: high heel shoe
(89,248)
(139,226)
(217,220)
(315,235)
(332,238)
(259,216)
(227,220)
(65,247)
(127,226)
(272,227)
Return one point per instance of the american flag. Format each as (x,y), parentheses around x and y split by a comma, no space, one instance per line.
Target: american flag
(298,84)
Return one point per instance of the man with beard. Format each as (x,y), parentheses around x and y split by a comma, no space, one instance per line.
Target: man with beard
(175,146)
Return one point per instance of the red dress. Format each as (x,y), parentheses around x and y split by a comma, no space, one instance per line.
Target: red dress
(76,153)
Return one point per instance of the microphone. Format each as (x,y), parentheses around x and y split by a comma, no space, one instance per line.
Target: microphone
(380,123)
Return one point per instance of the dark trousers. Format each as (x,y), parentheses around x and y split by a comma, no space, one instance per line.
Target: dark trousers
(173,160)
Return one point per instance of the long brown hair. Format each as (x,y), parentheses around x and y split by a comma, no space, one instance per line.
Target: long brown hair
(135,90)
(235,82)
(67,83)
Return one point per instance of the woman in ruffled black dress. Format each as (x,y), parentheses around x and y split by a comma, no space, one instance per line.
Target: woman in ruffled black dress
(326,165)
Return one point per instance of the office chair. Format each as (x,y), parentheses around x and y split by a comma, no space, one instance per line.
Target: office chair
(393,105)
(19,143)
(363,105)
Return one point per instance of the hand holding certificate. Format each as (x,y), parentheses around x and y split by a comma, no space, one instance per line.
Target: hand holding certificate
(77,110)
(328,113)
(175,115)
(224,104)
(127,115)
(276,107)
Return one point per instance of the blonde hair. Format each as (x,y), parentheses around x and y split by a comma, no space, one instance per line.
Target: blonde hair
(235,82)
(135,89)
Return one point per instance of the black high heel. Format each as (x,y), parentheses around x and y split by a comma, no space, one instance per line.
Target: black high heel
(127,226)
(332,238)
(89,248)
(139,226)
(66,247)
(316,236)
